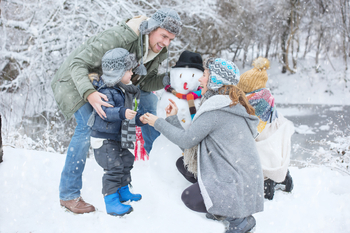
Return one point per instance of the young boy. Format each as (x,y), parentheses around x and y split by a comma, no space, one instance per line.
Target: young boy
(112,136)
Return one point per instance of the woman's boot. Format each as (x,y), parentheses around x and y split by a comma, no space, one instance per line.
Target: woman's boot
(241,225)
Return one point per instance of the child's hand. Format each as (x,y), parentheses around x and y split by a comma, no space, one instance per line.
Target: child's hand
(129,114)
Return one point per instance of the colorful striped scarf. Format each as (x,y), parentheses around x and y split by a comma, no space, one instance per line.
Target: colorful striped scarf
(190,97)
(264,104)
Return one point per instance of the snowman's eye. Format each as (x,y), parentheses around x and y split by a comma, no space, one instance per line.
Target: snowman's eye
(192,75)
(180,75)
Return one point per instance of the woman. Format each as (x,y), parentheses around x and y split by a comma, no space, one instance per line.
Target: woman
(230,180)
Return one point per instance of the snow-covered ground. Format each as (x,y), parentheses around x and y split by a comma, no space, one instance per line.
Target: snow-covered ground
(29,198)
(29,181)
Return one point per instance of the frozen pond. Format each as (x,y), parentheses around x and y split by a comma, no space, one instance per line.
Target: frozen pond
(314,124)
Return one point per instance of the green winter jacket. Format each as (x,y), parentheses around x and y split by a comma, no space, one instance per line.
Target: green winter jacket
(71,85)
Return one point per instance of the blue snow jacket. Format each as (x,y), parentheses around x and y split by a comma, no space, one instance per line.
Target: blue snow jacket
(110,127)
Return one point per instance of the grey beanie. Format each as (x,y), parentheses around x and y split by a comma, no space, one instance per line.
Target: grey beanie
(165,18)
(222,72)
(115,63)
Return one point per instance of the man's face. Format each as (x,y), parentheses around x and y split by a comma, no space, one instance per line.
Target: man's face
(160,38)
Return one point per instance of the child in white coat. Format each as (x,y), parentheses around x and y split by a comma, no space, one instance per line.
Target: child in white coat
(274,141)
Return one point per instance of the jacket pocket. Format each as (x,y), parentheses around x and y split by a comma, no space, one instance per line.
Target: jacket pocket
(65,78)
(226,178)
(220,177)
(66,95)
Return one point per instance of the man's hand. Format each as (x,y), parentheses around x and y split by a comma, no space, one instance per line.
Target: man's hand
(95,99)
(171,109)
(129,114)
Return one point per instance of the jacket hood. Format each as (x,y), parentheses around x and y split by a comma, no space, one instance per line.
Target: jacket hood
(222,103)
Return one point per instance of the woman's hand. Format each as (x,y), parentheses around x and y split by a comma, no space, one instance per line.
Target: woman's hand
(149,118)
(171,109)
(129,114)
(142,119)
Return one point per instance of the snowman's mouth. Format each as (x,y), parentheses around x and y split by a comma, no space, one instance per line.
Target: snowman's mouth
(185,86)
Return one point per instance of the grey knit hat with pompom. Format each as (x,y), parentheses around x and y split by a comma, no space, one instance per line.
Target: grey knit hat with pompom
(165,18)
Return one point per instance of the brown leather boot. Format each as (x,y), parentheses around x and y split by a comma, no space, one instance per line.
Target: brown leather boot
(78,206)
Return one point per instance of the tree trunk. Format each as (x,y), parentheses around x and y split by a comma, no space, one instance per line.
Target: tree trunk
(245,55)
(238,50)
(1,150)
(344,33)
(295,38)
(284,39)
(319,45)
(307,41)
(269,40)
(287,51)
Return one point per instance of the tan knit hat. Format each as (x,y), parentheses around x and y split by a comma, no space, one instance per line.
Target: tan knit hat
(255,78)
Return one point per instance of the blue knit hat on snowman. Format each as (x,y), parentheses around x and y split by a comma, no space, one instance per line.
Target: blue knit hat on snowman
(222,72)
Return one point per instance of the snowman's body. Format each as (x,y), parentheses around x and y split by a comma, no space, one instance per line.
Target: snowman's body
(183,80)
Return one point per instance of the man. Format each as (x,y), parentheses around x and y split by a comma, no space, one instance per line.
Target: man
(74,93)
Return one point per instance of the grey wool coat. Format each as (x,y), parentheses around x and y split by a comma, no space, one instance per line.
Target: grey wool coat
(229,170)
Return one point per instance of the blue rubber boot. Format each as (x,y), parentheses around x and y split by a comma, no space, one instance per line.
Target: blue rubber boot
(126,195)
(114,207)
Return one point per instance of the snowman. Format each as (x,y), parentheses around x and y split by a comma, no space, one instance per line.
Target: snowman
(183,88)
(183,81)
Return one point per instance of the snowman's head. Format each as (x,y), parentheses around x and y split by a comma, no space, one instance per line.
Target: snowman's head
(185,80)
(185,74)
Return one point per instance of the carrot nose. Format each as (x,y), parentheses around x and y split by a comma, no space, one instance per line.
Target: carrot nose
(185,86)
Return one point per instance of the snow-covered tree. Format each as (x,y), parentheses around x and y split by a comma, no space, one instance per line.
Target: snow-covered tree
(38,35)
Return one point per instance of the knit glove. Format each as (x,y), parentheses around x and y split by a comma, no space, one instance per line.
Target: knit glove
(94,78)
(166,80)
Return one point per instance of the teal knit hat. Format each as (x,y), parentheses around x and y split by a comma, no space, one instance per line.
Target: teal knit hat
(222,72)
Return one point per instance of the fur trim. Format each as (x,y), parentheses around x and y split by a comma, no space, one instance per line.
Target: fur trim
(190,160)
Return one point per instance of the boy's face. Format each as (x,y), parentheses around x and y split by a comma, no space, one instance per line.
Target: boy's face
(160,38)
(127,76)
